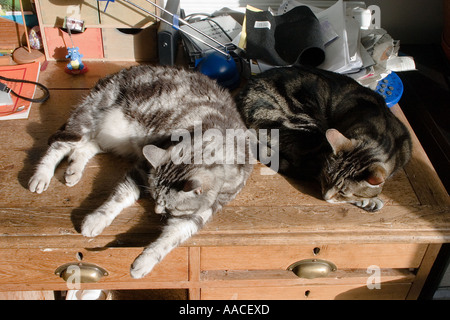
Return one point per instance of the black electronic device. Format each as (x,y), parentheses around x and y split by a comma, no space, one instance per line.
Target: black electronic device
(221,68)
(168,36)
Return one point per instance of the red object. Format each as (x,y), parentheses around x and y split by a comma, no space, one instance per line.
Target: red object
(20,107)
(76,72)
(89,42)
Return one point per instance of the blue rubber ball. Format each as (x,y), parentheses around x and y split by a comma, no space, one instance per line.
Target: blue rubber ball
(221,68)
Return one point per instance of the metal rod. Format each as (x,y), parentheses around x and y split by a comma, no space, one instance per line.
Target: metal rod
(187,24)
(181,30)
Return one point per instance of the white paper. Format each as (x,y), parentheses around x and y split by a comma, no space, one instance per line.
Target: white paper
(262,25)
(328,33)
(354,45)
(399,64)
(337,56)
(231,27)
(5,98)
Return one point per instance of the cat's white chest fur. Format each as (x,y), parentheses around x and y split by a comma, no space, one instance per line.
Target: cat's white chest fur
(118,134)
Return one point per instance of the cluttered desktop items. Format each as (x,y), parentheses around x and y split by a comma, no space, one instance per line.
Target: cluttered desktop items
(344,37)
(220,67)
(232,44)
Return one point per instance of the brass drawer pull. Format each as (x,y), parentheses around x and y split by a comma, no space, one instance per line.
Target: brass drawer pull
(312,268)
(86,272)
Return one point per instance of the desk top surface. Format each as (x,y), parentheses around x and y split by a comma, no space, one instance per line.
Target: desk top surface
(271,209)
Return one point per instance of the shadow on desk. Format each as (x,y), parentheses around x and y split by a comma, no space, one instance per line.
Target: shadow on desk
(419,187)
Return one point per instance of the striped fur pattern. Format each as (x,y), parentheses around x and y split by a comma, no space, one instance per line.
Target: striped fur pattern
(331,129)
(133,114)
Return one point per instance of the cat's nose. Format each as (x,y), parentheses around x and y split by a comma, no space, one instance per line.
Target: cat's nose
(159,209)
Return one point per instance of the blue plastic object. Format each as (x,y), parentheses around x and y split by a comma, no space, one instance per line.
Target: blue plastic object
(391,88)
(220,68)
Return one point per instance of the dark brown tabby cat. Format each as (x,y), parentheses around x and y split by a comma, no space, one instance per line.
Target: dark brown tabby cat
(330,128)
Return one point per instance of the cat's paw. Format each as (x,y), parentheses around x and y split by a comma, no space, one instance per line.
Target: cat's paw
(39,182)
(370,205)
(72,176)
(94,224)
(143,265)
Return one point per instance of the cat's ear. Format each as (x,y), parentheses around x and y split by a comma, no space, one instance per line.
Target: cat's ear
(193,185)
(377,175)
(337,140)
(155,155)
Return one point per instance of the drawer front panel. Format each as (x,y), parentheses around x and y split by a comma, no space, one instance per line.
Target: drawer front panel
(120,14)
(54,11)
(338,292)
(28,269)
(344,256)
(89,42)
(140,46)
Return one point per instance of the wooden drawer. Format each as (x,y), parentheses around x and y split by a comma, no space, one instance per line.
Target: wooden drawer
(285,285)
(261,272)
(34,269)
(89,42)
(344,256)
(130,44)
(312,292)
(54,11)
(124,15)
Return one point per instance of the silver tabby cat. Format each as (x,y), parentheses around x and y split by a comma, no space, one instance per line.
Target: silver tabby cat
(134,114)
(331,129)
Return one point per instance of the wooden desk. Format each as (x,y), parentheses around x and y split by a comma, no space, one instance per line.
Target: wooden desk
(242,253)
